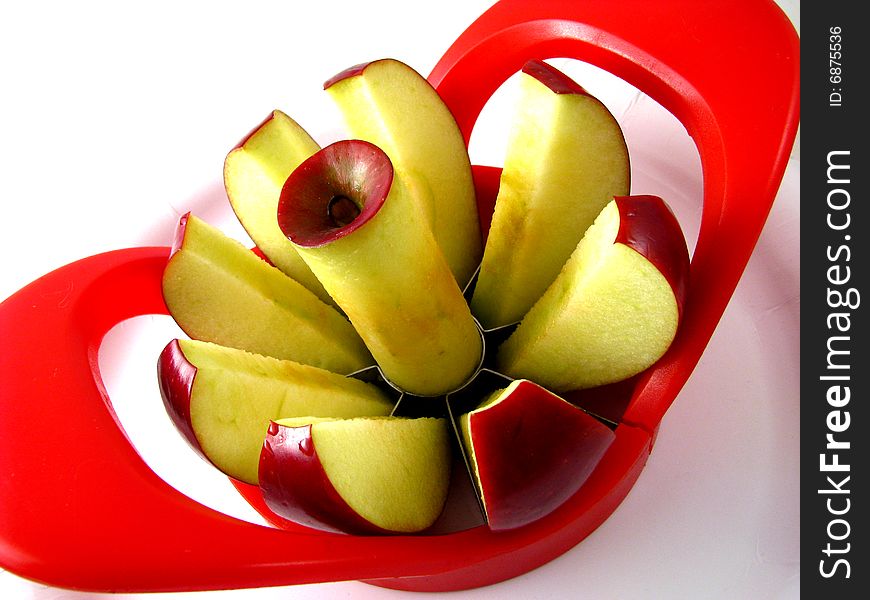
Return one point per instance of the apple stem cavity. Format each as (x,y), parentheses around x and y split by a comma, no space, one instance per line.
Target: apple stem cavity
(334,192)
(342,210)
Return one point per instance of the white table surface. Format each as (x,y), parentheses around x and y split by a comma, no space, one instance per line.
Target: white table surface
(116,119)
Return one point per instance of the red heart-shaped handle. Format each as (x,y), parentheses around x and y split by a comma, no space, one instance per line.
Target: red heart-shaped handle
(80,509)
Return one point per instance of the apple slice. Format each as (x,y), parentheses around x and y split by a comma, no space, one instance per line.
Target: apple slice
(223,399)
(354,221)
(364,475)
(388,103)
(566,159)
(254,172)
(219,291)
(530,451)
(614,308)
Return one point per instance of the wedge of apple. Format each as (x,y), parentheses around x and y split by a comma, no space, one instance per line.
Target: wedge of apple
(364,475)
(219,291)
(354,221)
(254,172)
(614,308)
(529,451)
(223,399)
(388,103)
(566,159)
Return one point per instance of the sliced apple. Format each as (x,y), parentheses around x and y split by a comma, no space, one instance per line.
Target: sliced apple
(614,308)
(364,475)
(530,451)
(223,399)
(219,291)
(566,159)
(388,103)
(254,172)
(354,221)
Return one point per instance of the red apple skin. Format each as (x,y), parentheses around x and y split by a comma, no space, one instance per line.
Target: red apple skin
(346,74)
(303,213)
(295,486)
(178,238)
(245,139)
(554,79)
(533,452)
(647,225)
(175,375)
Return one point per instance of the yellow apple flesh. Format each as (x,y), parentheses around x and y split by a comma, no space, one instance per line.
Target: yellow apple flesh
(223,399)
(254,172)
(388,103)
(566,159)
(614,308)
(219,291)
(381,264)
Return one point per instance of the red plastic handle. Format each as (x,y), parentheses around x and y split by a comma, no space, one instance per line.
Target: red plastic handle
(80,509)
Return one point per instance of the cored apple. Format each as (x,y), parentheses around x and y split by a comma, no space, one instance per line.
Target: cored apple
(388,103)
(223,399)
(254,172)
(566,159)
(219,291)
(530,451)
(614,308)
(363,475)
(354,220)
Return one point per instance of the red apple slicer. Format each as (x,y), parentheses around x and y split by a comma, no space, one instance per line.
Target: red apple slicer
(81,510)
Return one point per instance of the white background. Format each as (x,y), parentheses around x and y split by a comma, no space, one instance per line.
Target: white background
(116,119)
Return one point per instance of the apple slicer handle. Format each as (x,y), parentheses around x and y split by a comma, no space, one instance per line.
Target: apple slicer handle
(708,73)
(79,508)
